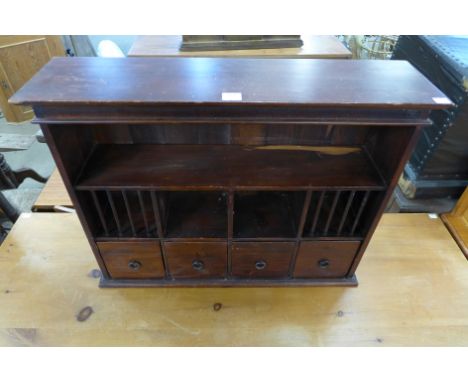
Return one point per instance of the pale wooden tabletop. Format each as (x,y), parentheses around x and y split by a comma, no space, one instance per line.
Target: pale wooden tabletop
(413,291)
(168,46)
(53,194)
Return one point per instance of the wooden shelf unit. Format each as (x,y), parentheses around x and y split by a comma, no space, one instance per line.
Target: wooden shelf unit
(175,186)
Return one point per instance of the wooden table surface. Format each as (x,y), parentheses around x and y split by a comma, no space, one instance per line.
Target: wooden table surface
(53,194)
(413,291)
(168,46)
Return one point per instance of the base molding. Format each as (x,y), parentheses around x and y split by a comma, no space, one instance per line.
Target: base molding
(202,283)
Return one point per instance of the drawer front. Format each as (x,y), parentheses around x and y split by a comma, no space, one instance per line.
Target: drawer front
(261,260)
(196,259)
(325,258)
(132,260)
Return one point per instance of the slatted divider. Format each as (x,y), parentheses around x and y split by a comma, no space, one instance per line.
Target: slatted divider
(130,213)
(338,213)
(124,213)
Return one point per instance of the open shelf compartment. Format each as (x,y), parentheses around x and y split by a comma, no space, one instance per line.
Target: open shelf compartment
(148,214)
(208,167)
(121,213)
(267,214)
(194,214)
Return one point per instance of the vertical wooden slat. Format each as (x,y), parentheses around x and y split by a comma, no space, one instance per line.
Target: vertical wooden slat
(230,227)
(361,209)
(129,212)
(160,231)
(317,213)
(100,213)
(157,214)
(305,211)
(163,207)
(345,212)
(143,212)
(332,212)
(114,212)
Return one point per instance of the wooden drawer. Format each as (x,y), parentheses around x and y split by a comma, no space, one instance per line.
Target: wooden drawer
(196,259)
(132,260)
(325,258)
(261,259)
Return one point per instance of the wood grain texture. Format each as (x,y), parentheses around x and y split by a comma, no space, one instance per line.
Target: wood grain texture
(132,260)
(196,259)
(140,81)
(313,47)
(262,260)
(412,293)
(53,194)
(220,167)
(457,222)
(325,259)
(20,58)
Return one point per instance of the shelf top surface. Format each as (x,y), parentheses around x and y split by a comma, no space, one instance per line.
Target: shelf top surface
(201,81)
(173,167)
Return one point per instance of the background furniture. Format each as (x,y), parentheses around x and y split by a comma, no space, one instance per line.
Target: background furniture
(439,164)
(13,201)
(168,46)
(184,187)
(20,58)
(457,222)
(413,292)
(193,43)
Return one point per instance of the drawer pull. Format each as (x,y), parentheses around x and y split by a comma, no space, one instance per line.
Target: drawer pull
(323,263)
(259,265)
(198,265)
(134,265)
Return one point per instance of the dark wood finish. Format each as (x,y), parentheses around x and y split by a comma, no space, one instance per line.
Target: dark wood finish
(254,192)
(237,282)
(137,81)
(221,167)
(261,260)
(131,260)
(318,259)
(196,259)
(267,214)
(196,214)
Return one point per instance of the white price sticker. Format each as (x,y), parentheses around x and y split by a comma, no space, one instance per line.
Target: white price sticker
(443,100)
(233,96)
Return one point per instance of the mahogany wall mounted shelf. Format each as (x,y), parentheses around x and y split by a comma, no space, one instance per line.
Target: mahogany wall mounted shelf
(229,172)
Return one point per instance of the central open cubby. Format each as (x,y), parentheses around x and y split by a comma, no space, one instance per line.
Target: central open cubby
(194,214)
(267,214)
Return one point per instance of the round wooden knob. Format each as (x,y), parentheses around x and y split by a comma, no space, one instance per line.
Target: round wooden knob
(324,263)
(198,265)
(260,264)
(134,265)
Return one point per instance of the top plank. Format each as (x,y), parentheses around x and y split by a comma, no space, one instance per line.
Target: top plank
(337,83)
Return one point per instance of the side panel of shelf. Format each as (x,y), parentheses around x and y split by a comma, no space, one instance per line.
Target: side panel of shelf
(69,163)
(401,142)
